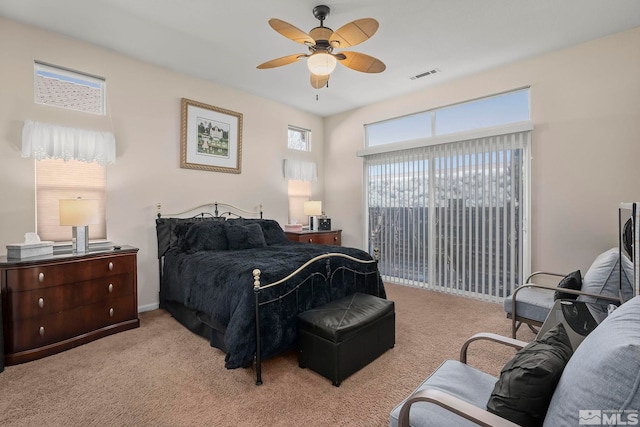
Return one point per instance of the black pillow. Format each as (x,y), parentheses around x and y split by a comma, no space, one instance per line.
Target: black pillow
(627,238)
(244,236)
(273,233)
(570,281)
(204,236)
(171,231)
(527,382)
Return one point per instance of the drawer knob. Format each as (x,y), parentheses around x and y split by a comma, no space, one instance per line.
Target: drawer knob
(41,277)
(41,302)
(111,312)
(335,238)
(41,331)
(110,287)
(310,240)
(110,266)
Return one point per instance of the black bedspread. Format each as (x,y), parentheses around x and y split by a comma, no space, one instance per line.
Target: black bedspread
(220,284)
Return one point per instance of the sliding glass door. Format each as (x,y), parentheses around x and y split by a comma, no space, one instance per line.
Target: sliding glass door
(451,216)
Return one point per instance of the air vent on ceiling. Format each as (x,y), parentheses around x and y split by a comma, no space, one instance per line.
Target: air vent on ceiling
(426,73)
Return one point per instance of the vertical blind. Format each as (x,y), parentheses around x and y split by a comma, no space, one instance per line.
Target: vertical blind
(452,216)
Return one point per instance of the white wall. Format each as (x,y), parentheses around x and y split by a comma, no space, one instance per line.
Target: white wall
(586,144)
(585,105)
(144,107)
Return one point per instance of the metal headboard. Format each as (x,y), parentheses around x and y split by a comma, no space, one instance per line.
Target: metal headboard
(232,210)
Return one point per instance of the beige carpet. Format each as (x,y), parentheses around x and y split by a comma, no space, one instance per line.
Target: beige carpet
(163,375)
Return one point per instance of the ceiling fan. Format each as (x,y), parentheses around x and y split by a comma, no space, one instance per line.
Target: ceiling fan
(321,41)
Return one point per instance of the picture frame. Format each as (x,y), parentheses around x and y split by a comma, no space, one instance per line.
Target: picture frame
(211,138)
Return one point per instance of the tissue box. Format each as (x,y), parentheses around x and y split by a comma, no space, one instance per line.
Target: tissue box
(293,227)
(27,250)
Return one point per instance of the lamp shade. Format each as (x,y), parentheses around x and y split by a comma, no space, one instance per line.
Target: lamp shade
(79,212)
(313,207)
(321,63)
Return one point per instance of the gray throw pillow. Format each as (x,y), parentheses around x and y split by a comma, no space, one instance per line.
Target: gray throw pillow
(603,277)
(603,373)
(527,382)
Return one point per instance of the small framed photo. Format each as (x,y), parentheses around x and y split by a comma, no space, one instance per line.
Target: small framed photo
(211,138)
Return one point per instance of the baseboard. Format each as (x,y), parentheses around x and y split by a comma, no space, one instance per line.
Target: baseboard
(148,307)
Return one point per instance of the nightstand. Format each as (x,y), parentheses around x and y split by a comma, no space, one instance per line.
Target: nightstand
(323,237)
(56,302)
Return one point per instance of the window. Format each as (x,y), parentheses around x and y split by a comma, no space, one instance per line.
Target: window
(299,192)
(57,179)
(70,162)
(299,139)
(449,212)
(405,128)
(497,110)
(65,88)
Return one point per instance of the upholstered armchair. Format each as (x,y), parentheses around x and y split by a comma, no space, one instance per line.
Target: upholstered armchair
(605,282)
(543,384)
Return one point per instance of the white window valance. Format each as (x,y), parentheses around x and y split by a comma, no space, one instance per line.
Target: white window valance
(298,170)
(46,141)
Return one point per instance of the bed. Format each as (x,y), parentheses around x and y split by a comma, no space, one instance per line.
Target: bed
(234,278)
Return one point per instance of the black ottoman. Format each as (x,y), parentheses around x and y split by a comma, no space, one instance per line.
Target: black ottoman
(343,336)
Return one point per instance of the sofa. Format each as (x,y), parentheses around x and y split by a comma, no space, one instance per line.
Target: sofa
(599,383)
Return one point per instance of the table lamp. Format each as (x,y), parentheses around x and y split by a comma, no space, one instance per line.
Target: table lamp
(79,213)
(313,208)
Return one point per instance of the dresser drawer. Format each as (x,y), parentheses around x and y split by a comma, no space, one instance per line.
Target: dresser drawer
(46,301)
(54,274)
(332,238)
(319,237)
(37,332)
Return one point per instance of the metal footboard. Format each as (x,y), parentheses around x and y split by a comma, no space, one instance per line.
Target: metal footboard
(329,277)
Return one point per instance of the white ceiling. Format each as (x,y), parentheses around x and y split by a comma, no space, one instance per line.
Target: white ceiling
(223,41)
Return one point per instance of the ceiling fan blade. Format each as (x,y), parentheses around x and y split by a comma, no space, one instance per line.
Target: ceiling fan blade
(319,81)
(354,33)
(279,62)
(361,62)
(290,32)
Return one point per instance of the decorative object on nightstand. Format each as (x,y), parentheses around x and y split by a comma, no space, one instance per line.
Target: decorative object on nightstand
(313,208)
(324,223)
(79,213)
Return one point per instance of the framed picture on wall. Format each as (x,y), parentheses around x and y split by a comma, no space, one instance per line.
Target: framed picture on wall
(211,138)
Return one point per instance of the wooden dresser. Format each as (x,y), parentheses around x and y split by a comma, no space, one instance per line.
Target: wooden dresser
(328,237)
(53,303)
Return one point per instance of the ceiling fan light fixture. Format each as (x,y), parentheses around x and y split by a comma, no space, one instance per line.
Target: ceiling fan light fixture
(322,63)
(321,42)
